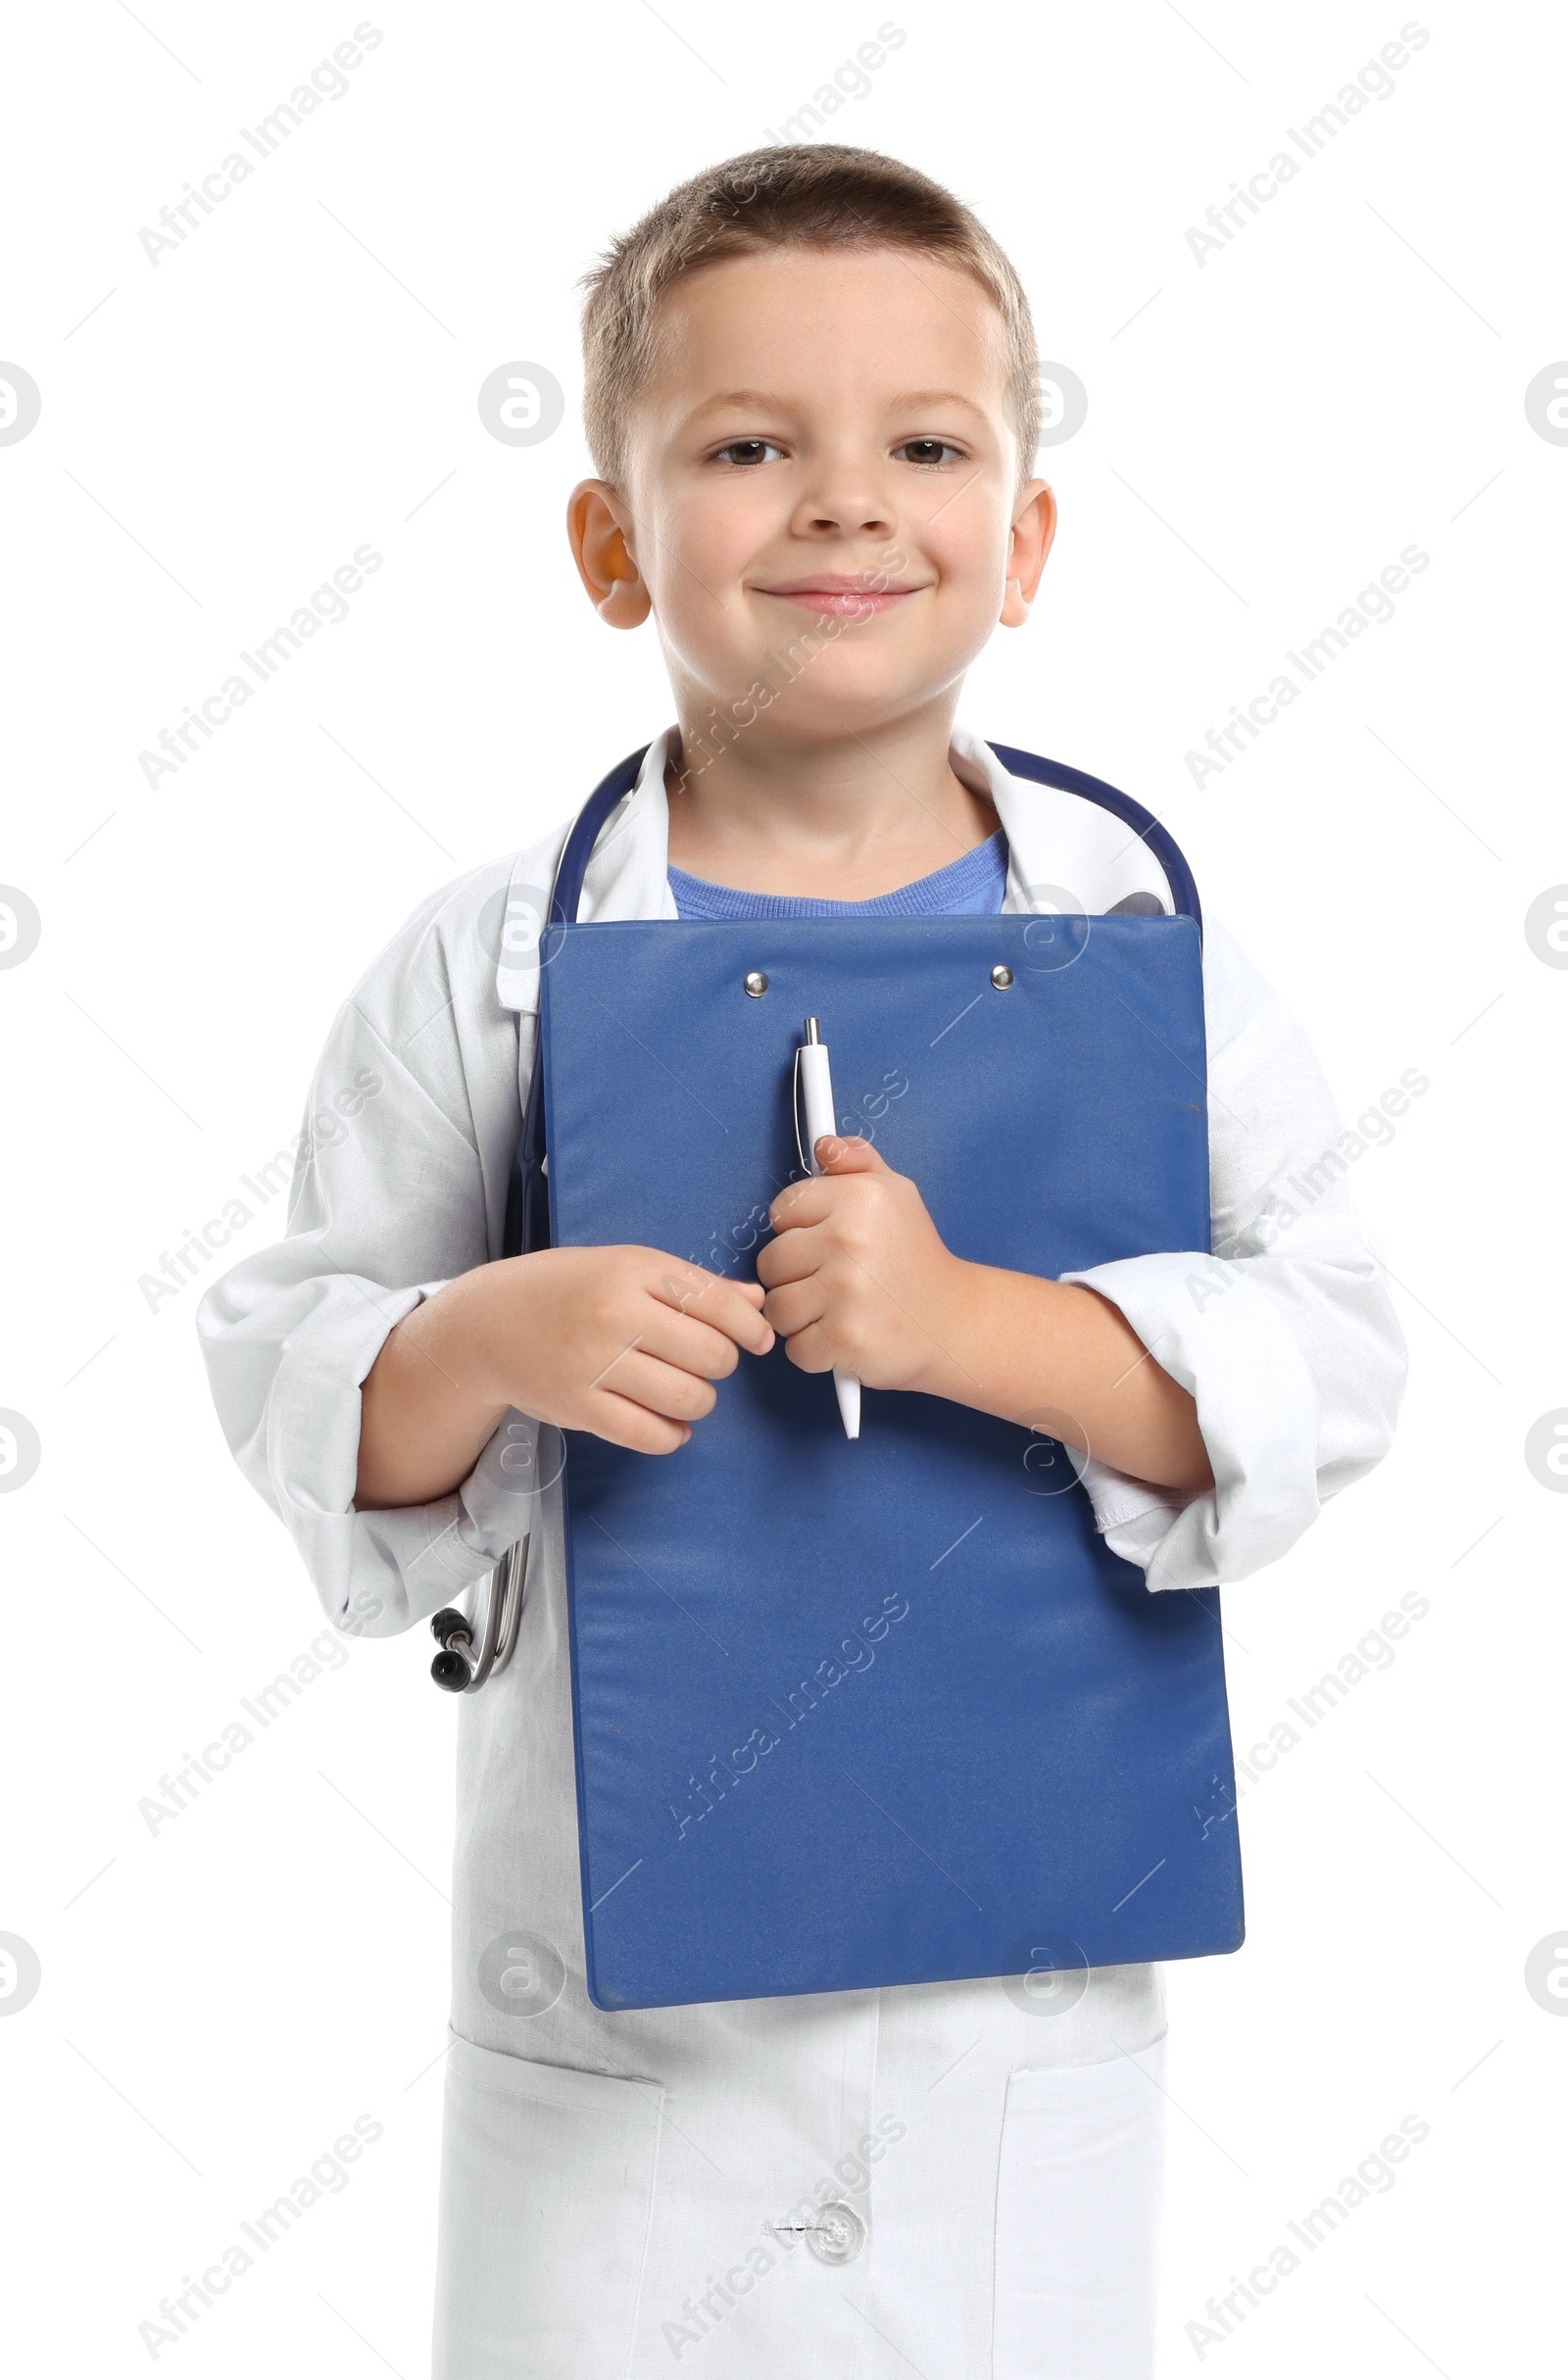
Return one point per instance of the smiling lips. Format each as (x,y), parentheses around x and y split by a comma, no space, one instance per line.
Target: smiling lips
(833,596)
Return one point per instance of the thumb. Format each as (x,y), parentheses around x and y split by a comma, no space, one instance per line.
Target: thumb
(852,1156)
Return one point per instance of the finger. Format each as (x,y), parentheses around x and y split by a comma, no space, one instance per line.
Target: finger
(694,1346)
(807,1350)
(624,1423)
(781,1213)
(680,1395)
(805,1204)
(849,1156)
(795,1307)
(794,1255)
(724,1303)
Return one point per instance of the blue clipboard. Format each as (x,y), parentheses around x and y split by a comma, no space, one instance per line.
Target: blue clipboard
(852,1714)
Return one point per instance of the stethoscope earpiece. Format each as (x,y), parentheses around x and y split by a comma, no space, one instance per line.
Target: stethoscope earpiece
(453,1666)
(461,1666)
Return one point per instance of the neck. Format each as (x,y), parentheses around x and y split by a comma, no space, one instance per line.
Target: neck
(839,817)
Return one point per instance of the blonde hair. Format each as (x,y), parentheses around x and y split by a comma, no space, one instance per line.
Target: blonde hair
(816,196)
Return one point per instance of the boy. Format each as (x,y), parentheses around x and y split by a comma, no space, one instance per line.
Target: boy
(811,390)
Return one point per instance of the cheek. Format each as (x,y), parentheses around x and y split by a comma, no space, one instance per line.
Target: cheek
(728,522)
(704,539)
(969,544)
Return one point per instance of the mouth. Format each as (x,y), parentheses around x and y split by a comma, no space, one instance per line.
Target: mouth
(836,594)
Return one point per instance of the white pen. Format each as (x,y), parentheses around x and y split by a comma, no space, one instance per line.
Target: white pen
(815,1086)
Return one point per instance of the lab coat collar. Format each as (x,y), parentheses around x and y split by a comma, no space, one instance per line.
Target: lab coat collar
(1064,854)
(629,873)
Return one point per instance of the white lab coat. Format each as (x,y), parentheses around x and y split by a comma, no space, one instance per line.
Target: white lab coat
(955,2179)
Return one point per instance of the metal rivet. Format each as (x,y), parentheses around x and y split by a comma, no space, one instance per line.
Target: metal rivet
(1002,978)
(755,985)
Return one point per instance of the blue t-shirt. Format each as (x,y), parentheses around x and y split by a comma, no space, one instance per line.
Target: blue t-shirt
(972,886)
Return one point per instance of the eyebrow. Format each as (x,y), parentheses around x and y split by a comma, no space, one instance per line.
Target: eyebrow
(918,398)
(764,400)
(758,398)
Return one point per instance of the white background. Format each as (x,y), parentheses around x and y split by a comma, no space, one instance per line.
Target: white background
(1265,433)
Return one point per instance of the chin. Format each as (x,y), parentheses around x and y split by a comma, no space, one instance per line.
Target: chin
(834,683)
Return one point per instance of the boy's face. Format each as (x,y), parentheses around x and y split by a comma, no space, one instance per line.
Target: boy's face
(825,438)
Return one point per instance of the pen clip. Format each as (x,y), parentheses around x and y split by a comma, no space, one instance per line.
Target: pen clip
(795,1106)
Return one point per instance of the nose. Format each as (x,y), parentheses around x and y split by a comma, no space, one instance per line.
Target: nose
(846,497)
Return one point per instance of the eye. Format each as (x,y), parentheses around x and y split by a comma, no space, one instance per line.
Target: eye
(930,454)
(747,453)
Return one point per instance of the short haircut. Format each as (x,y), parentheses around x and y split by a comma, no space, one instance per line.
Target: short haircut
(816,196)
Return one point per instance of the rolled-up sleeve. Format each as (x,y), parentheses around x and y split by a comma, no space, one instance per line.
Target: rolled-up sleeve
(399,1187)
(1285,1335)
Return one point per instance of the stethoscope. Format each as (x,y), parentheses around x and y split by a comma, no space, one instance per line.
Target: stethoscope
(465,1662)
(468,1658)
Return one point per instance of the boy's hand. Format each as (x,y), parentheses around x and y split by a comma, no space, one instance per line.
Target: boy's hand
(624,1342)
(859,1279)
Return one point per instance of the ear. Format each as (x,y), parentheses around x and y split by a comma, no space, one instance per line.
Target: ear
(600,528)
(1034,527)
